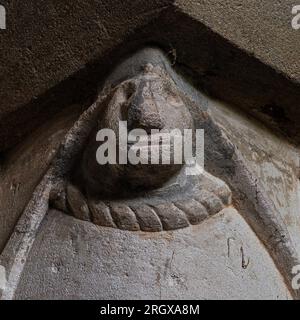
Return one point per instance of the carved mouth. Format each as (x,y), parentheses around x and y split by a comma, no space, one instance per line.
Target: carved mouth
(151,139)
(152,148)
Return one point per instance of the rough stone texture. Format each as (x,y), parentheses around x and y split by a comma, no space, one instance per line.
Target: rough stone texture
(228,157)
(55,53)
(69,256)
(47,42)
(262,28)
(101,214)
(194,210)
(275,162)
(22,168)
(145,91)
(77,203)
(147,100)
(147,218)
(171,217)
(124,217)
(219,259)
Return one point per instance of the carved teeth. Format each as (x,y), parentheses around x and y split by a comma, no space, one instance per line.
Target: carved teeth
(124,217)
(194,210)
(77,203)
(147,218)
(101,214)
(171,217)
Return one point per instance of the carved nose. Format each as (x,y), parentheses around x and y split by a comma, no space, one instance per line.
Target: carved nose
(143,112)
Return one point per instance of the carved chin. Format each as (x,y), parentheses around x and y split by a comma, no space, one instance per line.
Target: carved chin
(123,179)
(110,180)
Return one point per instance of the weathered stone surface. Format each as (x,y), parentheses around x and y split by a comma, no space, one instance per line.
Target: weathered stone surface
(77,203)
(147,218)
(22,168)
(218,187)
(171,217)
(210,201)
(253,27)
(147,99)
(244,53)
(241,160)
(101,214)
(144,91)
(72,259)
(46,43)
(272,159)
(124,217)
(194,210)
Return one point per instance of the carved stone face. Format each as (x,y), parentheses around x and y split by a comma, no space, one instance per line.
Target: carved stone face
(148,197)
(108,196)
(149,101)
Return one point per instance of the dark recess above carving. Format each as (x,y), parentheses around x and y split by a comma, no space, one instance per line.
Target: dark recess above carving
(53,55)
